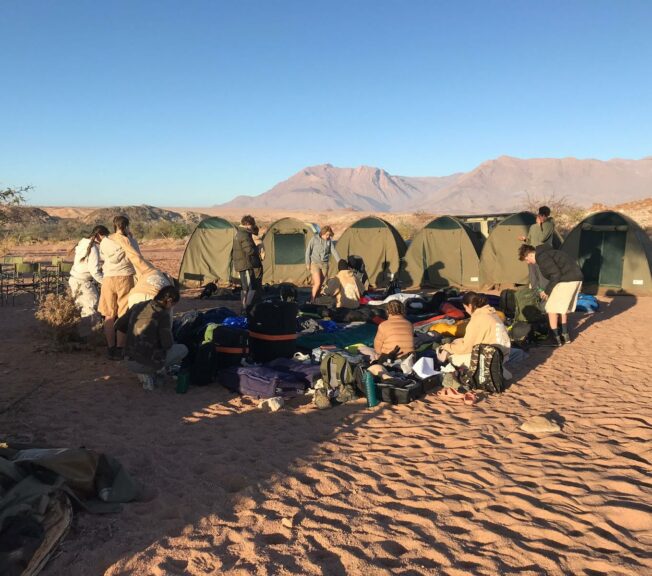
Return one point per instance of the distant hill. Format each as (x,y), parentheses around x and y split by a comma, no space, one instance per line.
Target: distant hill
(500,185)
(22,215)
(141,214)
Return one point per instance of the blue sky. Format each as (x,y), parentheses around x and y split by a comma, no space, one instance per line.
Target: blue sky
(189,103)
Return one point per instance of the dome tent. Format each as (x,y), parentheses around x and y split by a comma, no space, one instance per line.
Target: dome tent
(285,243)
(613,252)
(444,253)
(499,263)
(378,243)
(208,254)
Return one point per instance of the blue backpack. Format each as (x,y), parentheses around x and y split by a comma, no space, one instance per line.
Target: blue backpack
(587,303)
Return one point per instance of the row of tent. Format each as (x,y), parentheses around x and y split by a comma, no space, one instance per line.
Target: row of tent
(613,251)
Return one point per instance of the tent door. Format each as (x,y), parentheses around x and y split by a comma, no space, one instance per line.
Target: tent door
(601,257)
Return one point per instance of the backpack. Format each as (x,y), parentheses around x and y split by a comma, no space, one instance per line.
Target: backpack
(338,373)
(204,366)
(485,370)
(527,306)
(230,345)
(508,302)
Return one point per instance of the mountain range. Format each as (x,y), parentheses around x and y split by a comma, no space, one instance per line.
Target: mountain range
(504,184)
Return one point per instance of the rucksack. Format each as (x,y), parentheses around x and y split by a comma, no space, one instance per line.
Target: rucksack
(204,366)
(485,370)
(508,302)
(527,306)
(338,373)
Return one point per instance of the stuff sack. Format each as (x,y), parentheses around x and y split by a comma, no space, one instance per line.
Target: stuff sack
(399,390)
(485,370)
(527,306)
(273,330)
(587,303)
(230,345)
(261,382)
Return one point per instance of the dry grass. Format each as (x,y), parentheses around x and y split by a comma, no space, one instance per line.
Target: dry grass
(61,317)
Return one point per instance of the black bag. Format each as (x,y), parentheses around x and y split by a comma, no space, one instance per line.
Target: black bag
(520,333)
(399,390)
(230,345)
(485,369)
(204,366)
(508,302)
(273,330)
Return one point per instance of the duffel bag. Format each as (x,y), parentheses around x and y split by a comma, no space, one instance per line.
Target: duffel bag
(261,382)
(230,345)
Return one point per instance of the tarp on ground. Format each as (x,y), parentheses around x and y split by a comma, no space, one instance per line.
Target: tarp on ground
(444,253)
(209,253)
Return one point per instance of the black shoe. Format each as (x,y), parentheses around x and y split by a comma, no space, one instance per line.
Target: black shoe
(552,341)
(115,353)
(565,338)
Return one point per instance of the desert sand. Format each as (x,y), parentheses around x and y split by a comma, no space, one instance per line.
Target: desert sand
(424,489)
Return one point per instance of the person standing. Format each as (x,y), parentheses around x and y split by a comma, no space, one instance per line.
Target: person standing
(564,280)
(318,254)
(118,282)
(541,232)
(85,269)
(246,260)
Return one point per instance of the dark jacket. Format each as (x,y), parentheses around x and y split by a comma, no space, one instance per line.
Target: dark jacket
(149,335)
(556,266)
(245,251)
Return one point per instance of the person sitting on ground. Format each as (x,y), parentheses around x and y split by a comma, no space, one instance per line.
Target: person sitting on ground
(85,269)
(318,255)
(484,327)
(150,346)
(116,285)
(564,281)
(346,287)
(395,332)
(247,262)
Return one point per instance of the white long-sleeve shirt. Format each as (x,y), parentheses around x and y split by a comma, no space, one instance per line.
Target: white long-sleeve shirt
(89,268)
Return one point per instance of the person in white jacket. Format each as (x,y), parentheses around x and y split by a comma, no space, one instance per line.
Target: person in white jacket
(86,269)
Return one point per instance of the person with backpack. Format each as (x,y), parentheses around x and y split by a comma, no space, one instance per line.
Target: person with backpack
(149,344)
(116,285)
(247,261)
(345,287)
(87,268)
(484,327)
(564,281)
(318,255)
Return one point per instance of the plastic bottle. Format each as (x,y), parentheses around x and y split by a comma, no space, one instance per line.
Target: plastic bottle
(183,380)
(370,389)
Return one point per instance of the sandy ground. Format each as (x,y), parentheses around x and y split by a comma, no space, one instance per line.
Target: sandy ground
(424,489)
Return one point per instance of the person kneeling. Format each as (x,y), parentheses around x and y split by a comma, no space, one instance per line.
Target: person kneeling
(150,346)
(346,287)
(485,327)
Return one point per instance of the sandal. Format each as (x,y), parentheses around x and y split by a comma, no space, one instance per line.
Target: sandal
(468,398)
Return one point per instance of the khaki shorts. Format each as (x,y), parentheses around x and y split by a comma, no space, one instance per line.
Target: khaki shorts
(563,298)
(114,296)
(323,268)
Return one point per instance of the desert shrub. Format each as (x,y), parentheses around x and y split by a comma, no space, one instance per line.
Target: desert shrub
(167,230)
(61,317)
(565,213)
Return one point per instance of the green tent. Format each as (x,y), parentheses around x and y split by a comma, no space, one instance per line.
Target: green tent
(378,243)
(444,253)
(499,263)
(208,255)
(613,252)
(285,245)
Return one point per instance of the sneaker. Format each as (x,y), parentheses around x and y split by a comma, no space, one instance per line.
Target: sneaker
(115,353)
(147,380)
(565,338)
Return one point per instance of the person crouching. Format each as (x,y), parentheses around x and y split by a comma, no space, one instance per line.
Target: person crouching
(149,346)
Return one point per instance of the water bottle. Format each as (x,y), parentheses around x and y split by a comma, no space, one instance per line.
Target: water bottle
(370,389)
(183,381)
